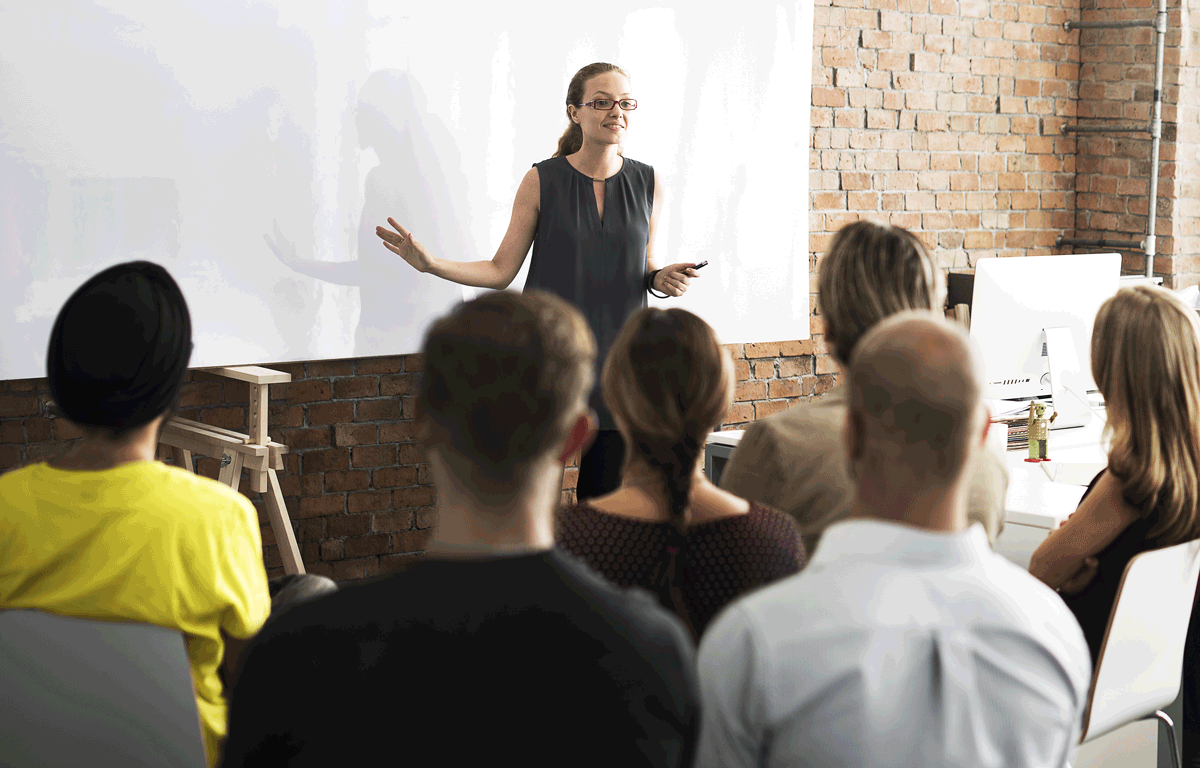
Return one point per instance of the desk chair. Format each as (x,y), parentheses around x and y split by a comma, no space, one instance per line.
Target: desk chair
(1141,659)
(76,692)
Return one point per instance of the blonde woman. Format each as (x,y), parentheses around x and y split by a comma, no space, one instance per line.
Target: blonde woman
(667,528)
(1146,363)
(795,461)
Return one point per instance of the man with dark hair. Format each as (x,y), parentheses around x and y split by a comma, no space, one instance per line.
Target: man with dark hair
(107,532)
(498,647)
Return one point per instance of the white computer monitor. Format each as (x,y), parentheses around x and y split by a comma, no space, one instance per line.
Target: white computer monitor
(1015,301)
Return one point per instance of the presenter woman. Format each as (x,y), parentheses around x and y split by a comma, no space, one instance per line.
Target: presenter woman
(590,215)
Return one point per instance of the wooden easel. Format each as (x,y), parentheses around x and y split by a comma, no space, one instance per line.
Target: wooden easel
(255,452)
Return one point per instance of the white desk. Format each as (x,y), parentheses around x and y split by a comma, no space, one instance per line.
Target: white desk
(1034,505)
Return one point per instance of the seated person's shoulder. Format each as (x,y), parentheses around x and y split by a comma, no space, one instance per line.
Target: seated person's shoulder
(767,518)
(801,419)
(193,494)
(989,474)
(1021,602)
(197,511)
(807,435)
(764,526)
(634,613)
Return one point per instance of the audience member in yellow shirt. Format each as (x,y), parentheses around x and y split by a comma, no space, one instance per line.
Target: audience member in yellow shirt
(140,541)
(107,532)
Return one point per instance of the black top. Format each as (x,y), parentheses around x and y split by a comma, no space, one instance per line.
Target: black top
(726,558)
(523,660)
(1093,604)
(599,266)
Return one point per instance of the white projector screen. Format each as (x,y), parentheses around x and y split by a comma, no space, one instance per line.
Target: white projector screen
(186,132)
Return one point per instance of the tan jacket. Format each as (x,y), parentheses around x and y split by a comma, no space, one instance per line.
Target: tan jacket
(795,462)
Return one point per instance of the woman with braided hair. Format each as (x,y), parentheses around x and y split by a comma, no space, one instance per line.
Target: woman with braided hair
(668,383)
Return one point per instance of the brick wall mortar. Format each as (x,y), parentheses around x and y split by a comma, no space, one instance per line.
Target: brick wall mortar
(943,117)
(1185,216)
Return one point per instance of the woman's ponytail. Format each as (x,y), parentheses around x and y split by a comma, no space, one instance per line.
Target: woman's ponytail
(571,140)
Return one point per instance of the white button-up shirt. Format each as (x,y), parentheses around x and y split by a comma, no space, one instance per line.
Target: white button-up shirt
(896,646)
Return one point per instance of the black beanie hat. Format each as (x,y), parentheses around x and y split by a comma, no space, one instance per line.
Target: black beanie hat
(120,347)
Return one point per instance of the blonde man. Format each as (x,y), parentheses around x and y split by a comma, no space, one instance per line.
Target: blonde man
(906,641)
(794,461)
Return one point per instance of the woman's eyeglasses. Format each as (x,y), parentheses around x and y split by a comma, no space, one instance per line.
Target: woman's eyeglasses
(604,104)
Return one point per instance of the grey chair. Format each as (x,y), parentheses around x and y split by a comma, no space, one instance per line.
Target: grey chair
(79,692)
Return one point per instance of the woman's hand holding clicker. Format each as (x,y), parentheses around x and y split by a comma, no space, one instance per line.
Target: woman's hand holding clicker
(401,242)
(673,279)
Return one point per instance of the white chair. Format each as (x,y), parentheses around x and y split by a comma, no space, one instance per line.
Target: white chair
(1141,659)
(77,692)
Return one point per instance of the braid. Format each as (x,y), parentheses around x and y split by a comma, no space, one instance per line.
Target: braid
(676,463)
(668,383)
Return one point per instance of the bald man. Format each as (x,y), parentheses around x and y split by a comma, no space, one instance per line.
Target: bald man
(906,641)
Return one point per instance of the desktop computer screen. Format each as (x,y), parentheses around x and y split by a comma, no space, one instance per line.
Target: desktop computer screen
(1016,299)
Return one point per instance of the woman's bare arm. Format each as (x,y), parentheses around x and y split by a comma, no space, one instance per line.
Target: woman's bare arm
(497,272)
(673,279)
(656,206)
(1102,516)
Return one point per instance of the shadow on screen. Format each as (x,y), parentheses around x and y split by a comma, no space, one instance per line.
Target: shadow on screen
(420,183)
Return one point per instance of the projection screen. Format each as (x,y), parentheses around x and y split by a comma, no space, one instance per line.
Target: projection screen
(196,134)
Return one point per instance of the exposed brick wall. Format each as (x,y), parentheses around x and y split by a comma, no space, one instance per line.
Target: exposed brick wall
(1185,216)
(1117,86)
(943,117)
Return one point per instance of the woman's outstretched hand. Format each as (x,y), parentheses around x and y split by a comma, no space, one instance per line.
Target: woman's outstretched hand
(673,279)
(401,242)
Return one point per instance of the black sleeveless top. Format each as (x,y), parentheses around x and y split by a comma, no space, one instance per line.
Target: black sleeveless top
(1093,604)
(599,266)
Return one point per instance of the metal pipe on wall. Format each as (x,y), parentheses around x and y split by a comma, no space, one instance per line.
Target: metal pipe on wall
(1069,25)
(1160,29)
(1102,242)
(1150,244)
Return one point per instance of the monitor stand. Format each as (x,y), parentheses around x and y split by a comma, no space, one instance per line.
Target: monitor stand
(1068,388)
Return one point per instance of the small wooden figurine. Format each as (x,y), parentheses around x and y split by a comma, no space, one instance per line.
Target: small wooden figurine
(1039,431)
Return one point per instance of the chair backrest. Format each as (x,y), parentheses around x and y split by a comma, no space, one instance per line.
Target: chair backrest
(1141,659)
(83,692)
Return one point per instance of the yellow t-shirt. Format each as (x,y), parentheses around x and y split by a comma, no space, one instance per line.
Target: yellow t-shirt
(140,542)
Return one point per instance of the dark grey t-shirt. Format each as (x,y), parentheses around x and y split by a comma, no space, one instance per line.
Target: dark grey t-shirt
(527,660)
(599,266)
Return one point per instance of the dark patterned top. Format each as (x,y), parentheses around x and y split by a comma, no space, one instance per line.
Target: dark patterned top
(727,557)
